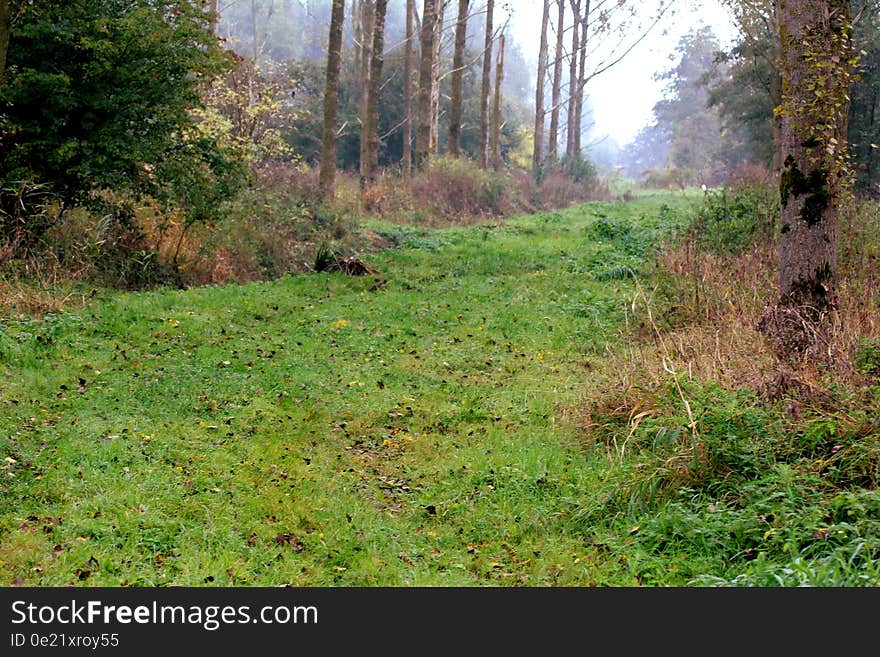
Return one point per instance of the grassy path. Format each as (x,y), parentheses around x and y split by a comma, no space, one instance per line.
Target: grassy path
(321,430)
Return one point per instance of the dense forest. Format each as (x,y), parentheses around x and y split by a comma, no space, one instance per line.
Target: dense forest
(355,293)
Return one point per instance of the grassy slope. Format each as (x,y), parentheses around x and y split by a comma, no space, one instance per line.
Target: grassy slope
(421,429)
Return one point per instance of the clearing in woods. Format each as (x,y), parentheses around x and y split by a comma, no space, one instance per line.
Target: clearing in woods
(418,427)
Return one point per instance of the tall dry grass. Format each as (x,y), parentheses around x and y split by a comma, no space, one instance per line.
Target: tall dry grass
(693,321)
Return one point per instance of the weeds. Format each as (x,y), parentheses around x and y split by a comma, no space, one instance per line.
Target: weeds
(775,490)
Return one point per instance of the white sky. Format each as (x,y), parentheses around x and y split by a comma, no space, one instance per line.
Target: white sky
(623,97)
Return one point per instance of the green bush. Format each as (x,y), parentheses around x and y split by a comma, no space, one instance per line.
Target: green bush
(733,219)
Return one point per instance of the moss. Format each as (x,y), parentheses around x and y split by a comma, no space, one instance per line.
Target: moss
(793,183)
(813,295)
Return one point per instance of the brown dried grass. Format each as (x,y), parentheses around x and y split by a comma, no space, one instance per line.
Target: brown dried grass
(697,323)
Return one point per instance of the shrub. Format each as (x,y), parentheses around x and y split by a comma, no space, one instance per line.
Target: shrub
(27,211)
(736,217)
(457,189)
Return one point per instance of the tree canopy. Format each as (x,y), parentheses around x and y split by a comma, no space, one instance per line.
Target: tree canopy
(99,95)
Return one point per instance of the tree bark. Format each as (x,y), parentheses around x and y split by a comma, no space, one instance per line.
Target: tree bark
(376,62)
(455,101)
(440,9)
(497,117)
(358,29)
(538,152)
(407,88)
(581,80)
(776,161)
(553,154)
(5,28)
(327,175)
(816,75)
(486,87)
(423,131)
(571,105)
(367,21)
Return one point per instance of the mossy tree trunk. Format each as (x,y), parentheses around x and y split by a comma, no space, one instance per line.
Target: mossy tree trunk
(327,174)
(816,58)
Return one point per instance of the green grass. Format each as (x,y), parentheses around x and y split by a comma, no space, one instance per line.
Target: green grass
(418,428)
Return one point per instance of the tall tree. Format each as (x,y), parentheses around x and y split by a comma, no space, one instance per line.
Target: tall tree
(457,79)
(571,104)
(6,10)
(357,26)
(327,175)
(553,153)
(486,86)
(377,60)
(581,80)
(497,115)
(440,12)
(407,87)
(538,152)
(367,22)
(423,131)
(816,62)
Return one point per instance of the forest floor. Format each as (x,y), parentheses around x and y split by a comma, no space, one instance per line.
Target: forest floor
(423,426)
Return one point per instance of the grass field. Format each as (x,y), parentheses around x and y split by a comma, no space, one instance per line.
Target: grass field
(419,427)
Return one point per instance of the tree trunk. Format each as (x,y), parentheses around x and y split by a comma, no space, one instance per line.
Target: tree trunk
(376,63)
(407,88)
(440,9)
(815,56)
(497,117)
(423,131)
(455,102)
(571,105)
(331,99)
(367,21)
(538,152)
(581,80)
(486,87)
(358,29)
(5,27)
(553,153)
(776,162)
